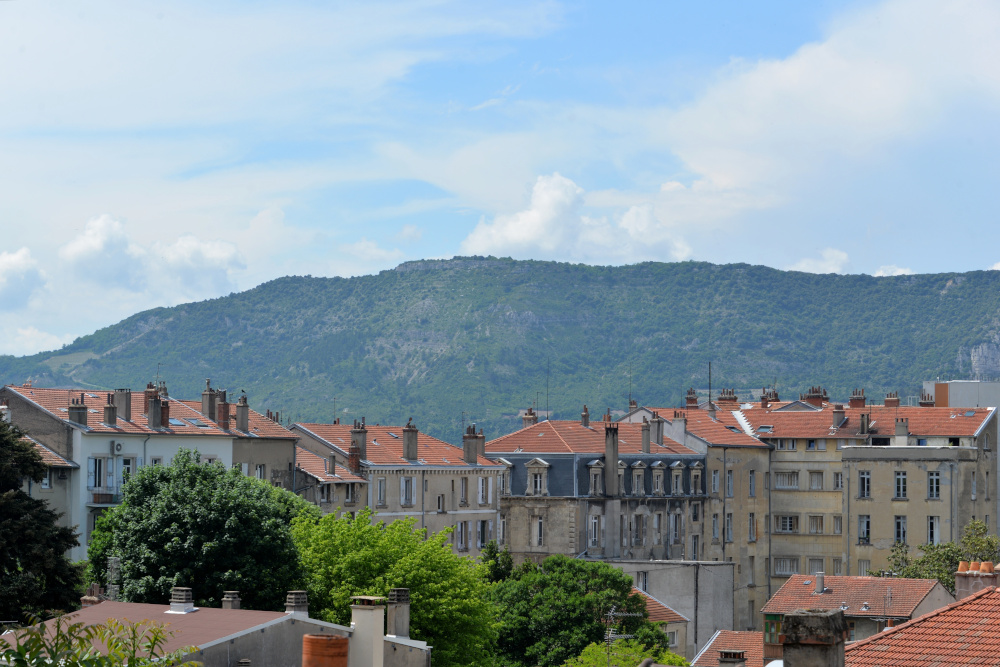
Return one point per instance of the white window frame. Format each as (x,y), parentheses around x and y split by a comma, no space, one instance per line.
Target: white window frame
(380,492)
(786,480)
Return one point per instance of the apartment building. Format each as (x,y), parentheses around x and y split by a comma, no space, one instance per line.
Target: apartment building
(104,436)
(400,472)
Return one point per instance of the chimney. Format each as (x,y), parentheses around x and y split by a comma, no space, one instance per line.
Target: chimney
(656,432)
(153,412)
(633,405)
(691,398)
(181,601)
(611,459)
(222,412)
(814,638)
(297,604)
(354,458)
(324,651)
(123,402)
(764,398)
(147,396)
(729,399)
(815,396)
(820,583)
(678,425)
(864,423)
(110,411)
(368,623)
(398,613)
(77,411)
(902,426)
(208,400)
(970,579)
(165,412)
(529,418)
(857,399)
(91,597)
(732,658)
(230,599)
(359,437)
(410,441)
(838,415)
(645,436)
(243,414)
(481,443)
(470,445)
(926,400)
(892,399)
(585,417)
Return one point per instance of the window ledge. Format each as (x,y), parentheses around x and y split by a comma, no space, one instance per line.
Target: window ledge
(899,499)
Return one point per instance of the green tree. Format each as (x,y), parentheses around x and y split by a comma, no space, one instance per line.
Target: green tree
(353,556)
(548,614)
(499,564)
(199,525)
(35,574)
(624,653)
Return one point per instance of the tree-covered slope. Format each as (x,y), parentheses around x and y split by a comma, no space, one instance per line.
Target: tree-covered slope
(436,339)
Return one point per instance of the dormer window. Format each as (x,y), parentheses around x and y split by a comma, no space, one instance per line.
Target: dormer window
(596,469)
(503,480)
(658,489)
(538,474)
(677,479)
(639,479)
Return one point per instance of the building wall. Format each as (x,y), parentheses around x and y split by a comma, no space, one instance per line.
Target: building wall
(275,454)
(47,429)
(58,495)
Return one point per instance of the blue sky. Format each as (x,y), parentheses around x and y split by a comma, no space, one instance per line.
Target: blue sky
(154,154)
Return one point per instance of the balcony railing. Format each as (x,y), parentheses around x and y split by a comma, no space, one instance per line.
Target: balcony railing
(105,495)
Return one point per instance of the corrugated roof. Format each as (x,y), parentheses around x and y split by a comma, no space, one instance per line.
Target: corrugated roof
(853,591)
(752,643)
(549,437)
(385,445)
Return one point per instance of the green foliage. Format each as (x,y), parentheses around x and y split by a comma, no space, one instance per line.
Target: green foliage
(115,643)
(352,556)
(35,574)
(499,564)
(624,653)
(199,525)
(548,614)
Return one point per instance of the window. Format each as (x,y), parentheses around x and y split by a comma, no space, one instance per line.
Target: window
(504,482)
(838,481)
(933,530)
(641,580)
(638,484)
(349,494)
(657,528)
(261,471)
(752,528)
(715,526)
(484,490)
(810,445)
(502,534)
(658,482)
(461,536)
(158,461)
(784,567)
(815,565)
(539,531)
(696,482)
(752,484)
(324,493)
(47,479)
(786,480)
(715,481)
(864,529)
(900,529)
(900,485)
(678,486)
(695,510)
(816,481)
(729,484)
(973,484)
(638,529)
(675,528)
(380,491)
(838,525)
(595,531)
(815,525)
(96,468)
(864,484)
(537,483)
(921,442)
(672,638)
(863,566)
(838,567)
(596,485)
(772,628)
(729,527)
(128,462)
(841,443)
(482,533)
(441,505)
(784,523)
(694,547)
(463,488)
(750,574)
(406,491)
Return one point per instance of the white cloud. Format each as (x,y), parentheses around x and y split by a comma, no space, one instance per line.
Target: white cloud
(104,254)
(892,270)
(29,340)
(410,233)
(364,256)
(20,277)
(196,268)
(830,260)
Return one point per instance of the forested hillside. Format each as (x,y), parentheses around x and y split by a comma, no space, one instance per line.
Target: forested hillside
(478,338)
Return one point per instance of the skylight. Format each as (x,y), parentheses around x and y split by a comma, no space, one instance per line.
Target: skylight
(765,429)
(393,435)
(194,421)
(970,413)
(176,422)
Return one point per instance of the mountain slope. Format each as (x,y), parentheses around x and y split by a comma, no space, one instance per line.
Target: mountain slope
(434,339)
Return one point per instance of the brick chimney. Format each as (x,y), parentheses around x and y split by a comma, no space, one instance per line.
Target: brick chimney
(857,399)
(732,658)
(691,398)
(110,411)
(165,412)
(765,398)
(926,400)
(92,596)
(470,445)
(297,604)
(481,443)
(359,437)
(728,400)
(222,412)
(410,441)
(657,428)
(814,638)
(123,402)
(585,417)
(633,405)
(398,613)
(230,599)
(243,414)
(147,396)
(611,459)
(973,578)
(892,399)
(902,426)
(838,415)
(77,411)
(154,415)
(815,396)
(208,400)
(645,436)
(181,601)
(864,423)
(354,458)
(529,418)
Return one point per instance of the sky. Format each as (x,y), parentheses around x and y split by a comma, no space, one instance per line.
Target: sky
(156,154)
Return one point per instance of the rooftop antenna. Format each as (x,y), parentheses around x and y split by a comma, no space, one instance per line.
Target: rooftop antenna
(710,385)
(630,383)
(334,407)
(157,373)
(548,364)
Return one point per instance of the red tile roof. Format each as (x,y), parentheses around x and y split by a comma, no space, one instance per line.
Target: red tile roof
(316,466)
(659,612)
(385,445)
(752,643)
(49,457)
(922,421)
(558,436)
(56,402)
(966,632)
(723,430)
(795,593)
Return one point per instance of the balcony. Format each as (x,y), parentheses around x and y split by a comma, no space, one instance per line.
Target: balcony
(104,496)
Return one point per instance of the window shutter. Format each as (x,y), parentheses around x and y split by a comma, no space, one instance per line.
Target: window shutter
(246,468)
(138,463)
(111,473)
(402,490)
(489,496)
(91,481)
(479,534)
(490,533)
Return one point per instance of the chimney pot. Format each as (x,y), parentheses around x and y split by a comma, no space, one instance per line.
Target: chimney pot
(410,436)
(611,459)
(181,600)
(585,417)
(529,418)
(297,602)
(820,583)
(231,600)
(243,414)
(470,445)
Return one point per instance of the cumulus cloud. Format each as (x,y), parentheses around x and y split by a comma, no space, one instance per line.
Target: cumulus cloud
(103,253)
(410,233)
(20,277)
(892,270)
(830,260)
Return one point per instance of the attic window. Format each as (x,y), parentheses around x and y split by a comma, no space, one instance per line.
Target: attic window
(733,429)
(197,422)
(765,429)
(394,435)
(92,395)
(540,434)
(176,422)
(970,413)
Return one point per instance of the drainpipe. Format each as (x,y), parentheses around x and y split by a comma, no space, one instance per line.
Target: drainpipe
(422,494)
(847,490)
(951,529)
(770,483)
(725,497)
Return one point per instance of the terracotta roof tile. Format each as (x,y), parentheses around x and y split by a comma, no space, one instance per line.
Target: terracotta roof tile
(317,467)
(795,593)
(563,436)
(725,429)
(49,457)
(732,640)
(385,445)
(966,632)
(922,421)
(659,612)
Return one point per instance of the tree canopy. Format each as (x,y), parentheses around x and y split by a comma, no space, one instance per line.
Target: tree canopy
(549,613)
(624,653)
(199,525)
(353,556)
(35,573)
